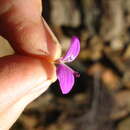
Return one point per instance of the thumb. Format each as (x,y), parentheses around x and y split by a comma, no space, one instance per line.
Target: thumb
(22,80)
(11,114)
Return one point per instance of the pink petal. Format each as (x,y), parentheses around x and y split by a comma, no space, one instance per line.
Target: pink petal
(73,50)
(66,78)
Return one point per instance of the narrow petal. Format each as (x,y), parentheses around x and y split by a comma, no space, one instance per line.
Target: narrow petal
(65,76)
(73,50)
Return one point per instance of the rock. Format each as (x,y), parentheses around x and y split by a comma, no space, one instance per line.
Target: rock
(117,44)
(110,79)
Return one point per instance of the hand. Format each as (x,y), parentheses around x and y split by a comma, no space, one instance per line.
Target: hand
(27,74)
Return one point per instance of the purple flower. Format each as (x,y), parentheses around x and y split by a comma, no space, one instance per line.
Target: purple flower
(65,74)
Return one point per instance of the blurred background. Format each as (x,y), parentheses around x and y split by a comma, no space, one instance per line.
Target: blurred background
(100,99)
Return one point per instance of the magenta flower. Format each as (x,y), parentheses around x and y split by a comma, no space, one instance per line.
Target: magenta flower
(65,74)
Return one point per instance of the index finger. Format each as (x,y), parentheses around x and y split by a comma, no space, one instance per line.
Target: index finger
(21,23)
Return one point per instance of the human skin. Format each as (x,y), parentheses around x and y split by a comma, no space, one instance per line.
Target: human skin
(29,72)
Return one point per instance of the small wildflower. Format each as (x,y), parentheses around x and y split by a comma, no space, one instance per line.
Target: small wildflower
(65,74)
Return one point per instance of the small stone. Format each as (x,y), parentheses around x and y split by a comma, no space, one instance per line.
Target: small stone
(117,44)
(110,79)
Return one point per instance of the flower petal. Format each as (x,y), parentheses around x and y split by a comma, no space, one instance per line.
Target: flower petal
(73,50)
(66,78)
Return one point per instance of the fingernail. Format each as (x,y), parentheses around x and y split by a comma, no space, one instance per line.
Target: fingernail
(54,47)
(49,31)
